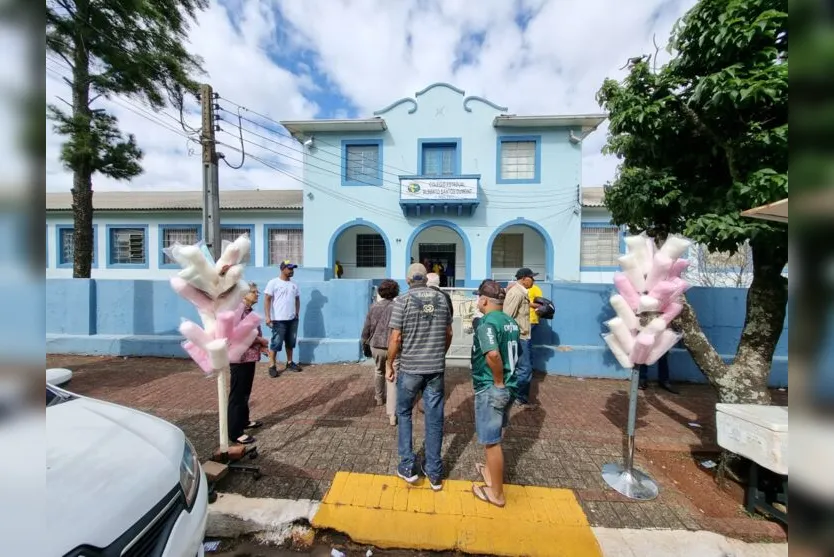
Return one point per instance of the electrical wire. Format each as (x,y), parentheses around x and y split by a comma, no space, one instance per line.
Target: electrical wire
(397,186)
(242,147)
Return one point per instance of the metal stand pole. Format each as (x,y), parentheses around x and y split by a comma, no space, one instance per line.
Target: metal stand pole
(625,479)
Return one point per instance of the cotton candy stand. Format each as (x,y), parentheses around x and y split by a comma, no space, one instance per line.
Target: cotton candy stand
(647,301)
(216,289)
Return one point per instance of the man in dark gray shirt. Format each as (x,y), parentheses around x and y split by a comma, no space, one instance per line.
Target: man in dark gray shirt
(421,333)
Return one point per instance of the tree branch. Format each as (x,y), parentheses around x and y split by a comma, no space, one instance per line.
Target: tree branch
(64,58)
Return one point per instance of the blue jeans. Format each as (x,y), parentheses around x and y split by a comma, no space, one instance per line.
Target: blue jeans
(492,414)
(524,370)
(408,385)
(283,332)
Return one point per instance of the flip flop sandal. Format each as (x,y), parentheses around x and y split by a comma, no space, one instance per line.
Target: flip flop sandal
(481,469)
(481,493)
(254,424)
(245,439)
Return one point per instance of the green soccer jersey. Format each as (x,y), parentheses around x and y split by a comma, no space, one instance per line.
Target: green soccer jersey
(496,331)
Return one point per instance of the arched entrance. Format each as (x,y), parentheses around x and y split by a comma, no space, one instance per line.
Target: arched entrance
(443,242)
(516,244)
(363,250)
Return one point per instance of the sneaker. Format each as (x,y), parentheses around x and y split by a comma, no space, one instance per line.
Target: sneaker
(435,483)
(273,371)
(292,366)
(408,479)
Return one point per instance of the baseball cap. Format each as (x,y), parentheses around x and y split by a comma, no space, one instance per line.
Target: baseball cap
(524,272)
(416,273)
(492,290)
(286,264)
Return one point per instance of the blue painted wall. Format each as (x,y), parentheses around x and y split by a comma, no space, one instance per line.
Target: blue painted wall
(140,318)
(440,112)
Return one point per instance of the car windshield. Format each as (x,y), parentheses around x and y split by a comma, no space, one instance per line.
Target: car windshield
(54,396)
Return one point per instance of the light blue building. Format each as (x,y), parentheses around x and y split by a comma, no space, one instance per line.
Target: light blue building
(454,179)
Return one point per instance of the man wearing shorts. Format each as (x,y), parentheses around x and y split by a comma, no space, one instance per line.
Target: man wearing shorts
(282,306)
(495,352)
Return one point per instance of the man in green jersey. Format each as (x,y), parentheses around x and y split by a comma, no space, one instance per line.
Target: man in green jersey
(495,352)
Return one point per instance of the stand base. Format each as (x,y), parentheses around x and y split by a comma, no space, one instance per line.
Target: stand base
(633,484)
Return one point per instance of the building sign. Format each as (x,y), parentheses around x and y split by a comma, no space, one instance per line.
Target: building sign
(439,189)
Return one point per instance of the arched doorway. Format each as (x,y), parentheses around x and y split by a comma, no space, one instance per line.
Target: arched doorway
(516,244)
(363,250)
(445,243)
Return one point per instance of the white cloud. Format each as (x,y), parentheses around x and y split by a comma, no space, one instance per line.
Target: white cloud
(376,51)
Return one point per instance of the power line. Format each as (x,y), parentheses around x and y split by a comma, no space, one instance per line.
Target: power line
(145,114)
(397,186)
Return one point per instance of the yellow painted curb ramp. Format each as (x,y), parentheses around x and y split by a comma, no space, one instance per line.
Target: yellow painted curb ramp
(386,512)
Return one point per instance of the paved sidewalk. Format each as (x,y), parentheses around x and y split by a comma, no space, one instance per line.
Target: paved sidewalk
(323,421)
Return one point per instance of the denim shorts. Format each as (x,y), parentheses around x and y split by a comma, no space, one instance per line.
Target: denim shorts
(492,414)
(283,332)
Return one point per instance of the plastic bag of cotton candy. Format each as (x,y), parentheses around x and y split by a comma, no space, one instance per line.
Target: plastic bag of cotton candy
(216,289)
(649,289)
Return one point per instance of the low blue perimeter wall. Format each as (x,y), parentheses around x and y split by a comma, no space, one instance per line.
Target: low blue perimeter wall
(141,317)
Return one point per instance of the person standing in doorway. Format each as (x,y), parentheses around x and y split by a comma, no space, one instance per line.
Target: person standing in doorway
(421,333)
(375,335)
(282,307)
(242,376)
(517,306)
(494,355)
(339,270)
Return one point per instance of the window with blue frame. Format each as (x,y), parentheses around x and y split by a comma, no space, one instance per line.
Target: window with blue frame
(600,247)
(66,245)
(128,246)
(519,159)
(362,163)
(439,159)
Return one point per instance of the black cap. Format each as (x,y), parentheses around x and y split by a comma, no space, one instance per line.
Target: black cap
(286,264)
(524,272)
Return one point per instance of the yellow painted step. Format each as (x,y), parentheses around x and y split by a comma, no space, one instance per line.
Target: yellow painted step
(386,512)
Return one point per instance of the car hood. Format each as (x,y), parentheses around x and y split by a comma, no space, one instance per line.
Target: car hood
(106,467)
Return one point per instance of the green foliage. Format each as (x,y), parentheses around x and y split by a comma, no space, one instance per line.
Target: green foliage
(705,136)
(96,140)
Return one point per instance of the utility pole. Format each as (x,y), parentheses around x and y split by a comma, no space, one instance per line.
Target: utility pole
(211,188)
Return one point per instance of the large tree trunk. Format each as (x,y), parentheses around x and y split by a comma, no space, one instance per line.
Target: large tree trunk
(82,186)
(745,380)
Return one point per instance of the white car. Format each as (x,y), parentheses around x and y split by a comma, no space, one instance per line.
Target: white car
(119,482)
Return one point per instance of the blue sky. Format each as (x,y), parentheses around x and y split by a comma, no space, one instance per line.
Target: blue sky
(290,59)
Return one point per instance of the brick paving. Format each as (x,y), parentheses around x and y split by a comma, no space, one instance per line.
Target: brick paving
(324,420)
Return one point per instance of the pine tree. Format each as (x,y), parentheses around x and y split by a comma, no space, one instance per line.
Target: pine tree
(114,47)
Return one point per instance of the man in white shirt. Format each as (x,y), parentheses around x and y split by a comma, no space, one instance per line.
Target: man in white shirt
(282,305)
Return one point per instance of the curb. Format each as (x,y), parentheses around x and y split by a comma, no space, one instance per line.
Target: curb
(270,520)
